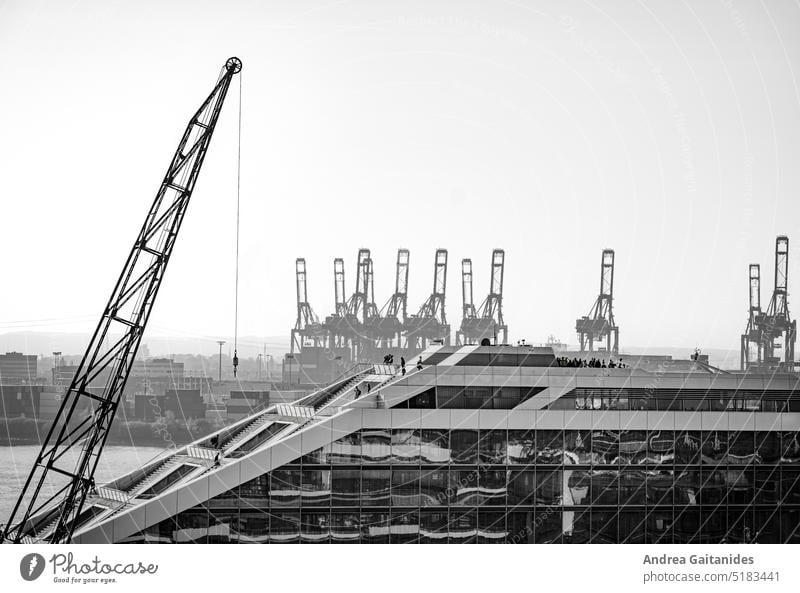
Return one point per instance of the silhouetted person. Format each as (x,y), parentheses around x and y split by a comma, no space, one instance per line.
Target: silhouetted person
(419,364)
(403,365)
(358,391)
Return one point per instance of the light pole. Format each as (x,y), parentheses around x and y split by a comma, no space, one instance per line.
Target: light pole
(221,344)
(259,366)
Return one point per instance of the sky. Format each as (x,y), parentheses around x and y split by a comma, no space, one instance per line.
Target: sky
(668,131)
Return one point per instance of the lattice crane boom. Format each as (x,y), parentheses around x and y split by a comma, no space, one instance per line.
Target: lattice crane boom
(99,381)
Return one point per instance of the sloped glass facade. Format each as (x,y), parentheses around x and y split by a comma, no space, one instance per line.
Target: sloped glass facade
(514,486)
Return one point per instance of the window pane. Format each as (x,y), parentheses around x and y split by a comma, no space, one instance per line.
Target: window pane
(316,487)
(345,487)
(605,447)
(375,528)
(464,487)
(434,485)
(464,446)
(404,527)
(492,447)
(463,526)
(284,527)
(405,446)
(253,527)
(405,486)
(376,445)
(433,526)
(578,447)
(345,528)
(491,527)
(521,446)
(375,485)
(434,446)
(549,446)
(346,449)
(315,528)
(284,489)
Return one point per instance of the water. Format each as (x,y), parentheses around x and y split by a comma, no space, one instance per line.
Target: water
(16,463)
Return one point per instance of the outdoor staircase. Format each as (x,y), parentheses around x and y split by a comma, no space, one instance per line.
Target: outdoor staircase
(337,392)
(153,476)
(246,431)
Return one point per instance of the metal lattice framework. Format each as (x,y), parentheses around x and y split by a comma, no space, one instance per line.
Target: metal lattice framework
(487,322)
(599,324)
(776,328)
(50,507)
(307,325)
(430,323)
(752,341)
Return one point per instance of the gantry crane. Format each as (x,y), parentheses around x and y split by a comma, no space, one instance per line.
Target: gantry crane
(778,330)
(752,340)
(469,316)
(599,324)
(50,508)
(389,328)
(307,327)
(487,323)
(341,326)
(430,322)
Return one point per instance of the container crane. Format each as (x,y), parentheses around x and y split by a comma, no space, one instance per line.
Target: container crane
(778,330)
(752,340)
(430,322)
(50,508)
(599,324)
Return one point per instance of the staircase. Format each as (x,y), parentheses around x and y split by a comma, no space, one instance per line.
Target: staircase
(336,393)
(244,432)
(154,476)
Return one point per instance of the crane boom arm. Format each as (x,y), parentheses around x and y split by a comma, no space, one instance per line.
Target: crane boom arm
(48,508)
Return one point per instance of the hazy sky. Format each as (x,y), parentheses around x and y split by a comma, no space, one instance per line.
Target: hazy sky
(669,131)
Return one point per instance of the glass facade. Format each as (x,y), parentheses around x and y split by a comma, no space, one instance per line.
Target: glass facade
(514,486)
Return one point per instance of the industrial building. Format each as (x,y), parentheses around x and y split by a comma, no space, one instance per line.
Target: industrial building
(16,367)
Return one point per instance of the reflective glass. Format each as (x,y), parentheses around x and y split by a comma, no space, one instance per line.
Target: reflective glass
(434,446)
(521,447)
(493,446)
(406,487)
(375,485)
(464,446)
(405,446)
(376,445)
(434,487)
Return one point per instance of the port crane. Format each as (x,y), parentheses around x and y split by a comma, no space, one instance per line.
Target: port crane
(486,323)
(50,506)
(599,324)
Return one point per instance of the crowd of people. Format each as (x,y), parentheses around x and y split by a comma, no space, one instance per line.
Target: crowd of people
(595,363)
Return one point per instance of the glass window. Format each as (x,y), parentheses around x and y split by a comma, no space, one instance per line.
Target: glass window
(463,526)
(738,482)
(464,487)
(687,488)
(346,450)
(223,526)
(375,484)
(315,527)
(659,526)
(688,447)
(661,447)
(604,487)
(433,526)
(549,447)
(345,527)
(549,486)
(790,447)
(345,487)
(605,447)
(433,487)
(520,527)
(405,446)
(284,490)
(434,446)
(492,447)
(687,525)
(659,487)
(604,526)
(740,525)
(790,485)
(741,447)
(713,525)
(191,526)
(253,526)
(768,522)
(632,447)
(767,485)
(577,525)
(375,528)
(404,527)
(316,487)
(464,446)
(632,527)
(521,487)
(405,487)
(577,447)
(632,490)
(491,527)
(521,447)
(492,487)
(768,446)
(790,526)
(376,445)
(548,526)
(284,527)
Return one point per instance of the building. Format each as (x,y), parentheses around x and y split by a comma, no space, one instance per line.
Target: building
(180,404)
(243,403)
(484,444)
(16,367)
(20,400)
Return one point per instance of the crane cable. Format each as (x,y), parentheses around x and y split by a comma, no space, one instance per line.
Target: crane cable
(238,192)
